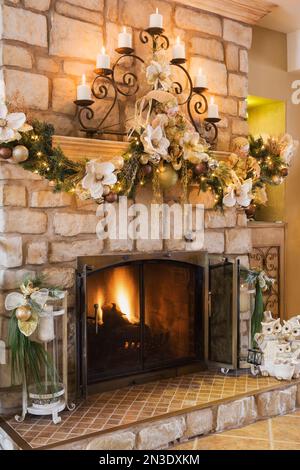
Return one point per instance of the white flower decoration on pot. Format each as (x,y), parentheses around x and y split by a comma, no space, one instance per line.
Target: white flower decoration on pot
(155,143)
(159,73)
(193,150)
(11,124)
(98,175)
(238,194)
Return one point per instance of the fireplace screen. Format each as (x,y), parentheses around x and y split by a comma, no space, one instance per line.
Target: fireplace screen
(142,316)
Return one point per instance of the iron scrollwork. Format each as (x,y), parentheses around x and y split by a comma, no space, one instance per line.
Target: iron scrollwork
(106,85)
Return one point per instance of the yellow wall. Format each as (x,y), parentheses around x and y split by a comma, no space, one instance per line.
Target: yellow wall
(270,119)
(268,77)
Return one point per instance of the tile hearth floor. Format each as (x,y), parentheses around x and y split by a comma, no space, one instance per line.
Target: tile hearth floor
(110,410)
(280,433)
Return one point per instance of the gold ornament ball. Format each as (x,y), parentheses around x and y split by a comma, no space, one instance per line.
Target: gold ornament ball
(20,154)
(167,177)
(23,313)
(284,172)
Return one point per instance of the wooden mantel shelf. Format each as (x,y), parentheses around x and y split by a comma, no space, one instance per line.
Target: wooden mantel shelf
(246,11)
(78,148)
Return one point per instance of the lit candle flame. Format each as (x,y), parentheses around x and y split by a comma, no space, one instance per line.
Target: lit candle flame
(178,40)
(83,79)
(200,71)
(212,100)
(103,50)
(156,11)
(124,29)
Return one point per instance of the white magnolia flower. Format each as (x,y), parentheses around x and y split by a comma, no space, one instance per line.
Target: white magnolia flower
(238,194)
(97,176)
(155,142)
(159,73)
(10,124)
(193,150)
(289,147)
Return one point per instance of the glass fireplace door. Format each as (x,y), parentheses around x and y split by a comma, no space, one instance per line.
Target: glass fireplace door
(223,314)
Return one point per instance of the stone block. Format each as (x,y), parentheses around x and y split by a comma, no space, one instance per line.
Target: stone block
(46,198)
(25,26)
(240,127)
(63,94)
(32,88)
(238,241)
(243,109)
(161,434)
(12,195)
(216,73)
(45,64)
(227,105)
(129,16)
(115,441)
(5,374)
(64,124)
(41,5)
(198,21)
(62,277)
(118,245)
(244,61)
(149,245)
(238,85)
(214,241)
(218,219)
(230,215)
(224,140)
(73,67)
(75,11)
(9,171)
(37,252)
(205,198)
(22,221)
(73,38)
(112,10)
(96,5)
(10,402)
(16,56)
(69,225)
(237,413)
(238,33)
(199,423)
(276,402)
(298,395)
(232,57)
(242,220)
(11,279)
(211,48)
(11,254)
(68,251)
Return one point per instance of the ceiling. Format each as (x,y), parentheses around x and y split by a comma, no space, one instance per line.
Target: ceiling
(285,18)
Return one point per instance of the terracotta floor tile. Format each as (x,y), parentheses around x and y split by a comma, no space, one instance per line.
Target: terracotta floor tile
(285,445)
(221,442)
(286,428)
(258,430)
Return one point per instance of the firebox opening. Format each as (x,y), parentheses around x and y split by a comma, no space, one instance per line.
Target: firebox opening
(143,316)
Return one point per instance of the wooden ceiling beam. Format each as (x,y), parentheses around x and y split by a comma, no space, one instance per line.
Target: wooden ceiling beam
(246,11)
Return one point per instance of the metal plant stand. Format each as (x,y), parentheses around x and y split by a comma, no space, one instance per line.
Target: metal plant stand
(51,398)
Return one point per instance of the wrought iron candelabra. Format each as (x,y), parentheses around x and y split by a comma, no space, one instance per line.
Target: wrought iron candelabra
(194,98)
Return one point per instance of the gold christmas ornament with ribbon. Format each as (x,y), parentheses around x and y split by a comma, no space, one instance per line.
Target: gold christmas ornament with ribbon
(23,313)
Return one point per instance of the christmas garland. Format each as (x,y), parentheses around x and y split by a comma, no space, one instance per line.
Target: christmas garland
(163,149)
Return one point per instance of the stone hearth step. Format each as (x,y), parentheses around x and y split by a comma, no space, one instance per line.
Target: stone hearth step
(157,414)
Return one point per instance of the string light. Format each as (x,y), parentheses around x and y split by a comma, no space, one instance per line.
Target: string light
(39,154)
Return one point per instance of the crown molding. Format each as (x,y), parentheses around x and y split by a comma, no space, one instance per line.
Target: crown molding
(246,11)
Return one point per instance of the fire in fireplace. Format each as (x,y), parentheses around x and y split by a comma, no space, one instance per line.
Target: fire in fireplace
(144,313)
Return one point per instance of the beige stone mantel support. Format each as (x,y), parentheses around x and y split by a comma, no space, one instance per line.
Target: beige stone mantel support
(78,148)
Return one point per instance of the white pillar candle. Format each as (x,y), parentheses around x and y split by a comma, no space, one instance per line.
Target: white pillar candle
(125,39)
(200,80)
(83,90)
(178,51)
(156,20)
(213,109)
(103,60)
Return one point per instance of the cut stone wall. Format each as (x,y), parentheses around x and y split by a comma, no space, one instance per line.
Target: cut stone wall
(47,46)
(45,232)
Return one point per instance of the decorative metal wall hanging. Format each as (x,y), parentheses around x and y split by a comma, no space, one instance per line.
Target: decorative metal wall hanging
(105,82)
